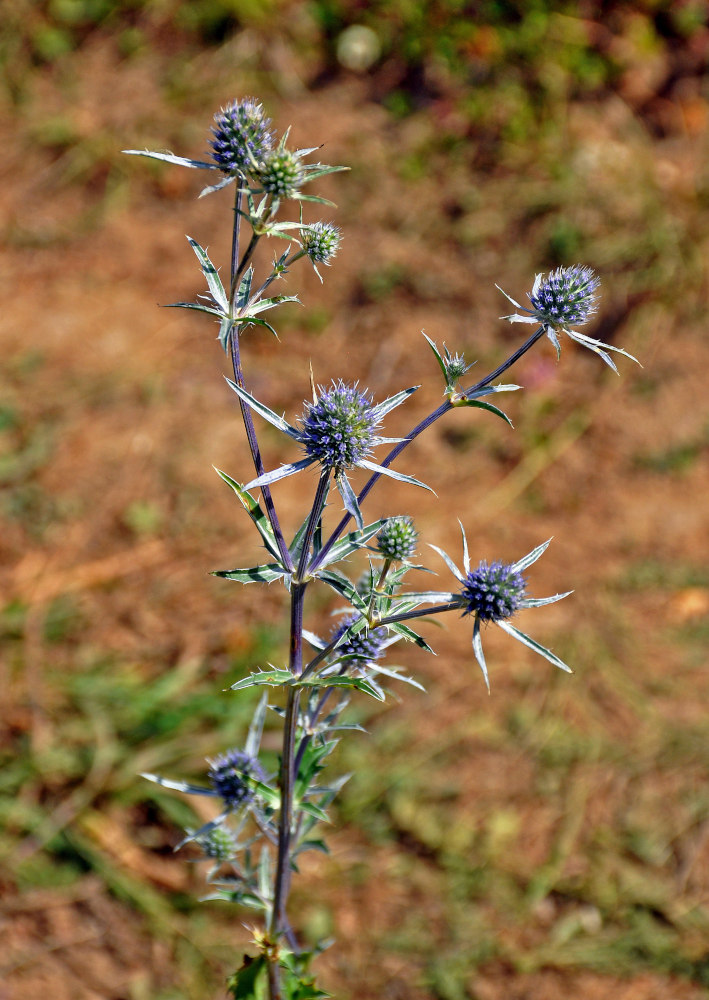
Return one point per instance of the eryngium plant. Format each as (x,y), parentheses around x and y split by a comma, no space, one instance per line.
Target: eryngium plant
(263,821)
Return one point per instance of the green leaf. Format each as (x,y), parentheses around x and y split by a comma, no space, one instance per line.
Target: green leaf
(266,573)
(225,328)
(272,678)
(344,587)
(410,635)
(439,359)
(249,982)
(214,283)
(280,422)
(312,810)
(490,408)
(359,683)
(239,896)
(349,498)
(197,306)
(253,509)
(244,292)
(352,542)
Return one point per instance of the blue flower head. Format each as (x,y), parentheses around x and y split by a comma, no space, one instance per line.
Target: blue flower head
(227,774)
(365,646)
(242,137)
(339,428)
(493,592)
(338,431)
(565,297)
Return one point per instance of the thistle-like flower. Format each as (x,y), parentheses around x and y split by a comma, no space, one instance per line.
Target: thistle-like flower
(280,172)
(397,539)
(228,773)
(566,297)
(219,843)
(365,647)
(242,137)
(321,242)
(493,594)
(338,431)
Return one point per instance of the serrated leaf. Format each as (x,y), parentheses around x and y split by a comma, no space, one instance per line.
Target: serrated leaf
(344,587)
(249,982)
(410,635)
(272,678)
(352,542)
(255,512)
(280,422)
(266,573)
(359,683)
(198,307)
(214,283)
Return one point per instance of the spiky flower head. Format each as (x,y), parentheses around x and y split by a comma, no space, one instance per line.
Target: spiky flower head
(493,593)
(280,172)
(227,774)
(397,538)
(321,242)
(455,367)
(339,428)
(218,843)
(242,137)
(566,297)
(365,646)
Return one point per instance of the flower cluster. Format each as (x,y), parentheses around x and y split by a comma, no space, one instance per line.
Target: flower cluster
(339,428)
(219,843)
(493,592)
(397,539)
(365,646)
(280,173)
(321,242)
(566,296)
(242,137)
(228,773)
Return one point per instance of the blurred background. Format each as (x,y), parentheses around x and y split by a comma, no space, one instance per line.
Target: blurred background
(551,840)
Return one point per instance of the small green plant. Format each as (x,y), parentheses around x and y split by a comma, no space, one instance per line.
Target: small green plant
(264,821)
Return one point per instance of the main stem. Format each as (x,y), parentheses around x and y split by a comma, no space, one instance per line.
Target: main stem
(288,772)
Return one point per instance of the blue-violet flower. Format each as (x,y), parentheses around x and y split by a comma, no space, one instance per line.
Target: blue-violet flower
(227,774)
(565,297)
(242,137)
(493,593)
